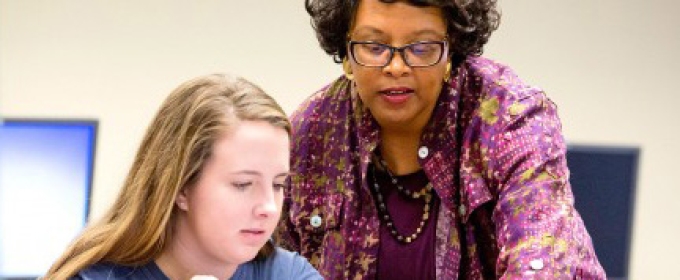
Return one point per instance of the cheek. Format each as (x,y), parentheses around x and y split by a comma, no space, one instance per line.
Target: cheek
(214,204)
(434,74)
(432,81)
(279,202)
(434,86)
(364,76)
(365,87)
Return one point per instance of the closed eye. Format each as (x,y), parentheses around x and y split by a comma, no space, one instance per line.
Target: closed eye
(374,48)
(241,185)
(422,49)
(279,186)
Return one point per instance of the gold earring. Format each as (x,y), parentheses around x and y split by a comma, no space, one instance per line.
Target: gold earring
(348,70)
(447,74)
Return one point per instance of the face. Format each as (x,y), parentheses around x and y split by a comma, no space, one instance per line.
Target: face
(397,95)
(231,212)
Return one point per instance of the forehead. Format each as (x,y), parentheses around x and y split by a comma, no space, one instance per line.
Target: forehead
(256,143)
(374,17)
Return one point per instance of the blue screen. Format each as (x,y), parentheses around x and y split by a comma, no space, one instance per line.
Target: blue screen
(604,181)
(46,170)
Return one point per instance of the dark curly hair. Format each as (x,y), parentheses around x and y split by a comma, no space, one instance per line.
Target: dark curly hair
(469,23)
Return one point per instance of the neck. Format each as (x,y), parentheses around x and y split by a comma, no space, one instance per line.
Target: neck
(400,151)
(181,260)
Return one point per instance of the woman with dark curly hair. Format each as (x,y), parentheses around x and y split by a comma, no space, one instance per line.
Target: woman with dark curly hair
(425,160)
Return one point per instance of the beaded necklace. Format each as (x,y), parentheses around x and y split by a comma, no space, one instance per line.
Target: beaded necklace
(424,194)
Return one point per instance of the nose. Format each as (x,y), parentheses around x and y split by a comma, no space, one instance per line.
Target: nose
(267,205)
(397,66)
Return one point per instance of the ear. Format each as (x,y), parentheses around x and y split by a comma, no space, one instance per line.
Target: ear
(182,199)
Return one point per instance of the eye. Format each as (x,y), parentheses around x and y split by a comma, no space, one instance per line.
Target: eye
(374,48)
(241,185)
(279,186)
(422,49)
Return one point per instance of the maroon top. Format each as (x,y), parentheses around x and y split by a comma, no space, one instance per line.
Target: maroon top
(415,260)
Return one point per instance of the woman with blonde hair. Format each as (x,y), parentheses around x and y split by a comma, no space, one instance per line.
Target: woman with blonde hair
(203,195)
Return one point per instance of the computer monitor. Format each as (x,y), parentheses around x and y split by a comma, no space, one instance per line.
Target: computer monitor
(604,182)
(46,170)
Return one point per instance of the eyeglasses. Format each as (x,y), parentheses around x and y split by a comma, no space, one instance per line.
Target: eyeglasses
(418,54)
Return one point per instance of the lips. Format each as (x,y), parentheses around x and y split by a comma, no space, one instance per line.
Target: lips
(396,95)
(253,231)
(396,91)
(254,237)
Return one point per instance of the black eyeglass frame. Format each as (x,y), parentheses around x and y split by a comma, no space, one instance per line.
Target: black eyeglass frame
(443,44)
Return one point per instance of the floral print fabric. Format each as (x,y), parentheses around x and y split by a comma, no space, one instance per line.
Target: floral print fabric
(495,155)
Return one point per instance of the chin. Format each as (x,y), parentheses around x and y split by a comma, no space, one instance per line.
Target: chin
(240,257)
(248,252)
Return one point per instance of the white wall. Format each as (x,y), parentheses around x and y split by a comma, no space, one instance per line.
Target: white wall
(610,65)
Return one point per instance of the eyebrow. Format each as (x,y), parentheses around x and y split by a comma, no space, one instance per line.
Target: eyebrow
(257,173)
(247,172)
(370,30)
(285,174)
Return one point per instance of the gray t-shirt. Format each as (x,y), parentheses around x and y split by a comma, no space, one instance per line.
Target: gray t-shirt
(280,265)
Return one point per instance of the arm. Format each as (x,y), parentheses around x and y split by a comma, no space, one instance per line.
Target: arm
(285,235)
(540,234)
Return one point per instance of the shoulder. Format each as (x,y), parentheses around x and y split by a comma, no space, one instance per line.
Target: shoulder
(321,104)
(114,272)
(321,121)
(494,79)
(105,271)
(282,264)
(499,93)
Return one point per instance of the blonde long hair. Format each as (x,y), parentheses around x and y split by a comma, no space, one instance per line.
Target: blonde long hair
(139,225)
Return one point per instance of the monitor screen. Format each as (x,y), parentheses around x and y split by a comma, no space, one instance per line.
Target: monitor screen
(46,170)
(604,182)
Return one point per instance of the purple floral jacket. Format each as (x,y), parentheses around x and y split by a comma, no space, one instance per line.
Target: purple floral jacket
(494,153)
